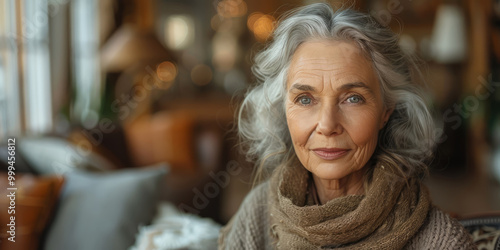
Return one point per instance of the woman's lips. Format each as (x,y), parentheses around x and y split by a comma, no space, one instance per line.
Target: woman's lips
(330,153)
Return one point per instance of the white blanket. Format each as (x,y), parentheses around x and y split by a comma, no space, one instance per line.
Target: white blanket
(173,229)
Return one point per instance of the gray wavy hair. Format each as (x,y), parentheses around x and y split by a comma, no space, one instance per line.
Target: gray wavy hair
(407,140)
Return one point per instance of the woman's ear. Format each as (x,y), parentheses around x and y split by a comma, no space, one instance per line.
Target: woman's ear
(385,117)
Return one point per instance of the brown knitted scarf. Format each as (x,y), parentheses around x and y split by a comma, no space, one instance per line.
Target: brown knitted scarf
(386,217)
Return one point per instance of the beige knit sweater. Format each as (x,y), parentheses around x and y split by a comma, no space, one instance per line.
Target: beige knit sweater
(249,228)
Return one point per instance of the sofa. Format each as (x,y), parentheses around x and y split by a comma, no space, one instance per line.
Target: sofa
(72,193)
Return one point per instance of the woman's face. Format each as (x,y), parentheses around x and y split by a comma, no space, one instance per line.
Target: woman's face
(334,108)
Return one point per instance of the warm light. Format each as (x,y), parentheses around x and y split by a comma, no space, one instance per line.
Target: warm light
(225,51)
(252,19)
(231,8)
(166,71)
(263,27)
(179,32)
(242,10)
(201,74)
(215,22)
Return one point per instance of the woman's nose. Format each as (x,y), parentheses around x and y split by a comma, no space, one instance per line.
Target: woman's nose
(329,122)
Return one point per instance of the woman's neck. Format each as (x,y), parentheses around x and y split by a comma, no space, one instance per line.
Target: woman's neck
(331,189)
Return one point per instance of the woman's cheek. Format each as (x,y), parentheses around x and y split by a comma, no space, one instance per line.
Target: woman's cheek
(363,127)
(300,124)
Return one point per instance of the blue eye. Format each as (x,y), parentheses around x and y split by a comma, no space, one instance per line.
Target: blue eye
(354,99)
(305,100)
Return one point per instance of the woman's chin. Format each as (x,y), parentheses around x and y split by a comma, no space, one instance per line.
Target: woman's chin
(328,171)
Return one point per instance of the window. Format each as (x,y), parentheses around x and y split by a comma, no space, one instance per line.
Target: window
(10,102)
(35,66)
(28,84)
(85,44)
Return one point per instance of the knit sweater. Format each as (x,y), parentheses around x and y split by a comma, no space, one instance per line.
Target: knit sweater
(249,228)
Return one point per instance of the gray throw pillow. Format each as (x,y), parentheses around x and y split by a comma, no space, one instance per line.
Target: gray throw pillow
(104,210)
(53,155)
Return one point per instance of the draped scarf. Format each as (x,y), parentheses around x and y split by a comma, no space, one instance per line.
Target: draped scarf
(387,216)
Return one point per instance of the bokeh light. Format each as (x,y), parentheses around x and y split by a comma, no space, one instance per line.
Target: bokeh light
(166,71)
(252,18)
(225,51)
(231,8)
(263,27)
(179,32)
(215,22)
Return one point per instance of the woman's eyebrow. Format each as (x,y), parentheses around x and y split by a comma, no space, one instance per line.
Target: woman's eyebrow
(347,86)
(302,87)
(353,85)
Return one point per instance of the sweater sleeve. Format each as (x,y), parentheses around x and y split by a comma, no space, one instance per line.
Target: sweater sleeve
(249,226)
(442,232)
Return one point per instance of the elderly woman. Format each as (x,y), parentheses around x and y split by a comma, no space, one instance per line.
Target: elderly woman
(339,124)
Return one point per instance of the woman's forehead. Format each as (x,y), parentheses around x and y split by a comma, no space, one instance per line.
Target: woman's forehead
(330,59)
(329,52)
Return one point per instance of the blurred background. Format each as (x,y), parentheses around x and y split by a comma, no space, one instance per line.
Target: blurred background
(106,85)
